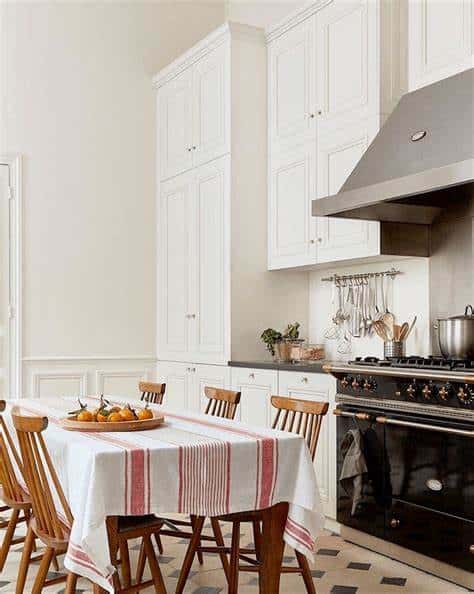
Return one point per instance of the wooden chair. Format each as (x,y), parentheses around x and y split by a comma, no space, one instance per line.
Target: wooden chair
(303,417)
(223,404)
(12,494)
(151,392)
(48,525)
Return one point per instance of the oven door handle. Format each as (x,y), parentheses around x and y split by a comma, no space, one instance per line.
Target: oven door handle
(359,415)
(424,426)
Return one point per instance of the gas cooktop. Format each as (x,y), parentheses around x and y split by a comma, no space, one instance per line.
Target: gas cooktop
(414,362)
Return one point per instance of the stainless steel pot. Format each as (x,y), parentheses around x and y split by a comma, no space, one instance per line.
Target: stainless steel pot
(456,335)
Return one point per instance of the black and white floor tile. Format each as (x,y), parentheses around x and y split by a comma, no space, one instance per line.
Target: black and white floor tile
(340,568)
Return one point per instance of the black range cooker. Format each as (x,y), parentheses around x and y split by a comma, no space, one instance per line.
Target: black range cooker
(416,420)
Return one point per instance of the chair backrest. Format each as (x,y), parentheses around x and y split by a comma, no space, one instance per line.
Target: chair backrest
(303,417)
(152,392)
(222,403)
(11,489)
(41,477)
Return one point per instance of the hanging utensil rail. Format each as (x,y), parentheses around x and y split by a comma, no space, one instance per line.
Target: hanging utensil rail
(359,278)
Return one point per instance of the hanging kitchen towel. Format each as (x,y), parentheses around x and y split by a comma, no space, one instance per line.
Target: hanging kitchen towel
(354,467)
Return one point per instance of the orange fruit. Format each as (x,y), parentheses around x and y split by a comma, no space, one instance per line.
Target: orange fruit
(127,414)
(115,409)
(114,417)
(145,414)
(85,416)
(102,416)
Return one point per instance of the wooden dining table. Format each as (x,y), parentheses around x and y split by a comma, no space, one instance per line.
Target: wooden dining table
(191,464)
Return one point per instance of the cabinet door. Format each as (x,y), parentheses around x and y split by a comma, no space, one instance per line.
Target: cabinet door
(175,125)
(440,40)
(214,376)
(176,376)
(257,387)
(173,237)
(345,74)
(211,105)
(320,388)
(343,239)
(210,279)
(291,80)
(291,226)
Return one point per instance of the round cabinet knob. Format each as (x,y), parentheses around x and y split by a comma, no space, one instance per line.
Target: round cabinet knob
(412,390)
(465,395)
(445,392)
(471,549)
(251,375)
(311,115)
(304,380)
(394,523)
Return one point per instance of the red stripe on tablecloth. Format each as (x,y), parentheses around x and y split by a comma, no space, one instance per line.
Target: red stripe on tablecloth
(228,464)
(298,534)
(267,473)
(299,527)
(79,556)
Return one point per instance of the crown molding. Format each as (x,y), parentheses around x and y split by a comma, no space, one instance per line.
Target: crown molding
(294,18)
(206,45)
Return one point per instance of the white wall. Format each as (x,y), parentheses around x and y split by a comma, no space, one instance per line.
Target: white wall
(410,296)
(263,13)
(79,106)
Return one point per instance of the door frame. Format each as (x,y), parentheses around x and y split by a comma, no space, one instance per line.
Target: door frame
(14,354)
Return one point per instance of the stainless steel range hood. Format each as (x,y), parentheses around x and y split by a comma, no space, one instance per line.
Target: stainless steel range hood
(416,164)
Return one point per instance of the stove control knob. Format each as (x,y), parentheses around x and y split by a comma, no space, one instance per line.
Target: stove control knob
(369,385)
(466,395)
(346,381)
(412,390)
(356,383)
(445,392)
(428,391)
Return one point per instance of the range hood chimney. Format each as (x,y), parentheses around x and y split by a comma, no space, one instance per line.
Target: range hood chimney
(420,163)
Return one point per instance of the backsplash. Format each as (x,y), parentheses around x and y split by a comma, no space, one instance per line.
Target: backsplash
(408,296)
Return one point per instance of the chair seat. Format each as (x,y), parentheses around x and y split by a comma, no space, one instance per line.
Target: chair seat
(25,502)
(127,523)
(247,516)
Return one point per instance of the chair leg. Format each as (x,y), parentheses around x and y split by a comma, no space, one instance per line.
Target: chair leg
(306,573)
(199,553)
(216,528)
(257,539)
(125,564)
(141,564)
(159,544)
(156,574)
(43,571)
(25,561)
(7,539)
(71,583)
(189,557)
(234,559)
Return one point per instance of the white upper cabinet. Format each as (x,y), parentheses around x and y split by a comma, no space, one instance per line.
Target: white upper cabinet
(341,239)
(345,60)
(441,39)
(175,125)
(211,105)
(292,86)
(291,227)
(194,113)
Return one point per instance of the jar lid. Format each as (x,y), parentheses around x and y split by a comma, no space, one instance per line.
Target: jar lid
(466,315)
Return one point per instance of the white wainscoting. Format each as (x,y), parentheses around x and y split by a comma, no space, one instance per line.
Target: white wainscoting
(79,376)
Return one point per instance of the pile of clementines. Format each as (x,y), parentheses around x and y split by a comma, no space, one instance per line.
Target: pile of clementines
(106,413)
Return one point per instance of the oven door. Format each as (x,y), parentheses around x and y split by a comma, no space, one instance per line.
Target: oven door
(362,501)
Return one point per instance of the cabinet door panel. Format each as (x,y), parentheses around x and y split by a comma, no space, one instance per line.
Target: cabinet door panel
(343,76)
(257,387)
(292,86)
(440,40)
(214,376)
(176,378)
(211,118)
(341,239)
(210,284)
(175,125)
(292,227)
(174,267)
(319,388)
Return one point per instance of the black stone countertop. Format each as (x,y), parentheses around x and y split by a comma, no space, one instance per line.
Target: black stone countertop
(303,366)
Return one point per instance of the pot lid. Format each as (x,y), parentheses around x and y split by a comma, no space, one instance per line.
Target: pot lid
(466,315)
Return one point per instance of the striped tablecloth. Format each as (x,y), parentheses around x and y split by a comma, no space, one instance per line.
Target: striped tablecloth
(193,464)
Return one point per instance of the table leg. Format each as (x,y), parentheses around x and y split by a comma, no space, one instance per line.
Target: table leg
(272,547)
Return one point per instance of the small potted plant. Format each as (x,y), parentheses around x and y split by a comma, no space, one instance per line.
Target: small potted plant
(284,347)
(271,338)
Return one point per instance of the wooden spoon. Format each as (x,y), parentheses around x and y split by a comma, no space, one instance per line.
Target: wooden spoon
(381,330)
(404,329)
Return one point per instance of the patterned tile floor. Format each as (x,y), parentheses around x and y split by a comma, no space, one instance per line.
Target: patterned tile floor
(340,568)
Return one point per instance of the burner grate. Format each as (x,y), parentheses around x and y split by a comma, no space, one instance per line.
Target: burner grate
(415,362)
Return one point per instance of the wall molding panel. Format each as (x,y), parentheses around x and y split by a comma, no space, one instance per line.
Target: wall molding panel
(80,375)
